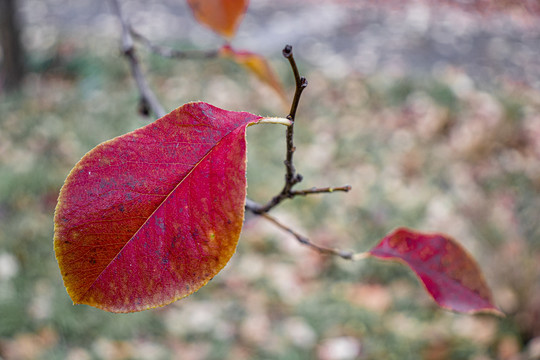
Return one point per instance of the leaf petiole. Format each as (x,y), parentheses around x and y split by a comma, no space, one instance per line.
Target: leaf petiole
(273,120)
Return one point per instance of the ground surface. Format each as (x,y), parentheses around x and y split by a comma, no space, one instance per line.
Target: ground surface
(337,36)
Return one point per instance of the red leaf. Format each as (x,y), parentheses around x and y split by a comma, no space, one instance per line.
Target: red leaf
(149,217)
(449,274)
(222,16)
(258,65)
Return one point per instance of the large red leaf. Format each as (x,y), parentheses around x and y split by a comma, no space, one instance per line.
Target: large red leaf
(449,274)
(151,216)
(222,16)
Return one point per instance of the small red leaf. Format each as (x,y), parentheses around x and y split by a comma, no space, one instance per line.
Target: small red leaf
(449,274)
(222,16)
(258,65)
(149,217)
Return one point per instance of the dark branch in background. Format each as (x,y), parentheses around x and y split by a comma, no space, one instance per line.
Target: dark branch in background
(12,68)
(170,53)
(149,101)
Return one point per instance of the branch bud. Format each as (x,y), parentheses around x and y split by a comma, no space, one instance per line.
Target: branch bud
(287,51)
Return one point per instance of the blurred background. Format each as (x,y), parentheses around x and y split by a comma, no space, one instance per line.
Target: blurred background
(430,113)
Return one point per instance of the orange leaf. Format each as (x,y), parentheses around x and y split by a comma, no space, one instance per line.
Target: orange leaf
(149,217)
(258,65)
(222,16)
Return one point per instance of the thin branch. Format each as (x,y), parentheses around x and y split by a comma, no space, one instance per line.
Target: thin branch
(168,52)
(258,209)
(291,177)
(301,82)
(252,206)
(314,190)
(344,254)
(148,98)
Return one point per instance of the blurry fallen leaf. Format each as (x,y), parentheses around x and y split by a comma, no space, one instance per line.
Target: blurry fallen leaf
(340,348)
(374,297)
(29,346)
(508,348)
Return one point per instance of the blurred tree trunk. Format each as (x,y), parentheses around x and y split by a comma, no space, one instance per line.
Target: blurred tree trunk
(12,65)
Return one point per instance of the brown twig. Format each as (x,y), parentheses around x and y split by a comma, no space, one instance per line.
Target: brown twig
(170,53)
(344,254)
(301,82)
(291,177)
(149,100)
(314,190)
(258,209)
